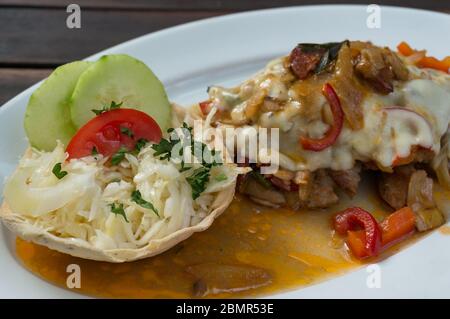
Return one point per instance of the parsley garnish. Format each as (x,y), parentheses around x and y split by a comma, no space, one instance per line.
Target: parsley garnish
(184,168)
(140,143)
(137,198)
(118,156)
(118,210)
(260,179)
(200,176)
(94,151)
(198,181)
(107,108)
(221,177)
(126,131)
(58,172)
(164,148)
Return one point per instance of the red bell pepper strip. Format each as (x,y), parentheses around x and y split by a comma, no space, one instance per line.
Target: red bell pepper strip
(205,107)
(356,218)
(397,225)
(425,61)
(433,63)
(356,241)
(405,49)
(332,134)
(393,228)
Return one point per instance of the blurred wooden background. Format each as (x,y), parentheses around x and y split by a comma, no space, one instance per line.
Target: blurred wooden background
(34,38)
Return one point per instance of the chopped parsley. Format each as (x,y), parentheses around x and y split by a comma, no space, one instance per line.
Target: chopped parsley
(58,172)
(200,176)
(137,198)
(221,177)
(140,143)
(118,156)
(117,209)
(198,181)
(94,151)
(260,179)
(165,147)
(107,108)
(126,131)
(184,168)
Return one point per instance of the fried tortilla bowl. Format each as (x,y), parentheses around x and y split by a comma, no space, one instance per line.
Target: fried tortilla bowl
(29,225)
(24,228)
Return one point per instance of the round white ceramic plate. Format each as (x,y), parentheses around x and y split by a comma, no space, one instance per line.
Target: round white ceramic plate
(224,51)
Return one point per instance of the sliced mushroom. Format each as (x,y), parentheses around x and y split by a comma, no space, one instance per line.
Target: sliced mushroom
(214,278)
(261,193)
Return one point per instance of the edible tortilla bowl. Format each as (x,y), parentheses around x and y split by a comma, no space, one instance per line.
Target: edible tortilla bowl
(23,227)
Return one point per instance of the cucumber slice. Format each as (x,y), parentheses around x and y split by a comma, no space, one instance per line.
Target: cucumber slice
(119,78)
(47,117)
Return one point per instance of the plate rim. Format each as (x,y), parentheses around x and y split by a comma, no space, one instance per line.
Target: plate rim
(161,33)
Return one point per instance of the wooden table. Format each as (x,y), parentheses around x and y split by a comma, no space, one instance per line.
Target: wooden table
(34,38)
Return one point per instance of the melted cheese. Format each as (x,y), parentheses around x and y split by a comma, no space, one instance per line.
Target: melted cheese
(417,113)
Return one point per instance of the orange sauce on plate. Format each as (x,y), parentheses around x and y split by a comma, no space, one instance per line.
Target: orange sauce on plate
(248,251)
(289,249)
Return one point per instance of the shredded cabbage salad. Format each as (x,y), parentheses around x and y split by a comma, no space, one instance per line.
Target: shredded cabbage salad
(95,202)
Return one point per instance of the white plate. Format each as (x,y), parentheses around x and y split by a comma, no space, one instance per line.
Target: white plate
(224,51)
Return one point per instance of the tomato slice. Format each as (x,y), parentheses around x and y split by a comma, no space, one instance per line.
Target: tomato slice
(108,132)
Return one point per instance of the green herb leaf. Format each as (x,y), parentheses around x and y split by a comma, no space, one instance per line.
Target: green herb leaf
(165,146)
(137,198)
(118,156)
(98,112)
(94,151)
(184,168)
(198,181)
(140,144)
(260,179)
(221,177)
(117,209)
(126,131)
(107,108)
(200,176)
(58,172)
(115,105)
